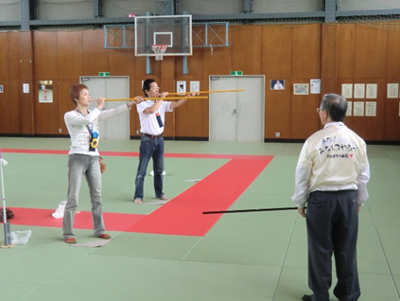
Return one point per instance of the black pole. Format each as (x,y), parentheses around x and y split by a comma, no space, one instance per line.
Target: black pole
(250,210)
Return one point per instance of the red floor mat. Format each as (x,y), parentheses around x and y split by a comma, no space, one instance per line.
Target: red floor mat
(183,215)
(83,220)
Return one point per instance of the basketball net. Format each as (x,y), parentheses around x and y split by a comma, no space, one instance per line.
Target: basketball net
(159,51)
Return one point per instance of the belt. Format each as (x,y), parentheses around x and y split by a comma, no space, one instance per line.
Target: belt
(152,136)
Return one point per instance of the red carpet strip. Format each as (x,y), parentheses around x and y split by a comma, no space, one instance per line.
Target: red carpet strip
(83,220)
(183,215)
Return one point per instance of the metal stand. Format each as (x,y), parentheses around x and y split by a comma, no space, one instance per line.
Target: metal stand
(7,233)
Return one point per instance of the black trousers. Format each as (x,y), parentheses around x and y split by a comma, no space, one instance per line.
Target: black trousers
(332,228)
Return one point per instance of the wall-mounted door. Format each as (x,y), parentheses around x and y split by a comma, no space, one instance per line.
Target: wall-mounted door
(113,87)
(237,116)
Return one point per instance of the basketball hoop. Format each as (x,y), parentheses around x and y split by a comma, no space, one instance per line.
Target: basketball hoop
(159,51)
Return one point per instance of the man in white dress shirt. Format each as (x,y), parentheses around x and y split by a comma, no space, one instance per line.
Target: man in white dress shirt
(152,119)
(331,178)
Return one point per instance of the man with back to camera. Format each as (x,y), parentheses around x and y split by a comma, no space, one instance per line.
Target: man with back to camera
(331,177)
(152,119)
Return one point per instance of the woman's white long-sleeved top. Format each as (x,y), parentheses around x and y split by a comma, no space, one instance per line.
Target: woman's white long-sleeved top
(77,127)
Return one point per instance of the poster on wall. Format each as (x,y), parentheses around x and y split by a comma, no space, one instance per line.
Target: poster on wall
(347,90)
(194,86)
(358,108)
(181,87)
(393,90)
(315,86)
(300,89)
(359,90)
(372,91)
(370,108)
(277,84)
(349,108)
(1,88)
(45,91)
(25,88)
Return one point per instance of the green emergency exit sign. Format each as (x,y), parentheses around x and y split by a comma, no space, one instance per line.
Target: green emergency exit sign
(104,73)
(236,73)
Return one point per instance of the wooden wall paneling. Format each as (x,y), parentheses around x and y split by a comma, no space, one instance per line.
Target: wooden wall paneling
(306,51)
(16,119)
(95,57)
(370,128)
(276,57)
(140,69)
(277,112)
(345,50)
(328,86)
(247,49)
(370,62)
(167,68)
(276,62)
(122,62)
(194,64)
(46,115)
(392,120)
(188,117)
(5,104)
(219,60)
(65,103)
(45,55)
(329,51)
(4,60)
(14,61)
(5,97)
(304,118)
(70,55)
(26,75)
(47,121)
(306,61)
(168,85)
(393,57)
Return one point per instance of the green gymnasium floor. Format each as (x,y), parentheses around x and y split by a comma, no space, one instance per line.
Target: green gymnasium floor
(243,256)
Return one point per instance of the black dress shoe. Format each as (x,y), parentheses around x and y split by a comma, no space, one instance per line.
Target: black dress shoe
(306,298)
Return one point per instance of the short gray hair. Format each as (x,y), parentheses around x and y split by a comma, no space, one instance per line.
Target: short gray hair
(335,105)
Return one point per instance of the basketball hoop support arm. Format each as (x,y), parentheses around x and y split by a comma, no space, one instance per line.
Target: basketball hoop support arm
(185,66)
(148,66)
(184,71)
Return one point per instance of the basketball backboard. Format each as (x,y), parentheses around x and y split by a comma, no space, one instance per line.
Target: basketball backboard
(174,31)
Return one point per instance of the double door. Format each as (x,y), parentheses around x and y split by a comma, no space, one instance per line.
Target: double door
(237,116)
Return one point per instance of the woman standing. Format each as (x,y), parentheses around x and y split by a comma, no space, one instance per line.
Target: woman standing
(83,157)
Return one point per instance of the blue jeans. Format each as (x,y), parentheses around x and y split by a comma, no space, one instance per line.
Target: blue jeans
(150,148)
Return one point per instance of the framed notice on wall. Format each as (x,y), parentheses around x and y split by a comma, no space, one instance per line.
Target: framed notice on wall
(349,111)
(372,91)
(358,108)
(45,91)
(370,108)
(300,89)
(359,90)
(393,90)
(347,90)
